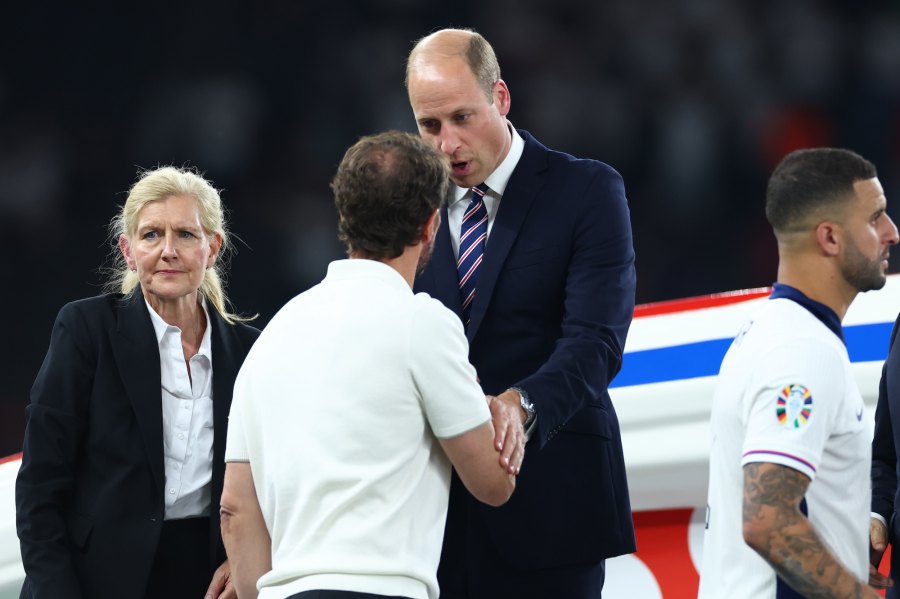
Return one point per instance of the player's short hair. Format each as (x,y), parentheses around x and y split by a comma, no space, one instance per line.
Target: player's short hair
(810,184)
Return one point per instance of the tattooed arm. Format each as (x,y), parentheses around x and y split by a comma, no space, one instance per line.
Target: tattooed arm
(775,528)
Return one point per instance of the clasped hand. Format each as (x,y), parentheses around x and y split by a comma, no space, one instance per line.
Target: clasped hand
(509,436)
(878,539)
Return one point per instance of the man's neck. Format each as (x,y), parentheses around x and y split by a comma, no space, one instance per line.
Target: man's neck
(405,263)
(826,287)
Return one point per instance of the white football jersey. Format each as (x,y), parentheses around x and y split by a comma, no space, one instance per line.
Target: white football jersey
(786,395)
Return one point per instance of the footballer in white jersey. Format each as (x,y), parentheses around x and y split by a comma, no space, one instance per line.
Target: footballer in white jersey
(786,395)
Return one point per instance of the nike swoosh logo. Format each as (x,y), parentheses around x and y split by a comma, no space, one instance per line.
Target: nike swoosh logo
(859,415)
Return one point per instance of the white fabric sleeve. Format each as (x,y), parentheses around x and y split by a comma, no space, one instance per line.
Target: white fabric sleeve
(790,406)
(451,397)
(235,441)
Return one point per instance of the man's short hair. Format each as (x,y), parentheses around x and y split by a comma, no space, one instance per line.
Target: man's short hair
(482,61)
(385,189)
(810,184)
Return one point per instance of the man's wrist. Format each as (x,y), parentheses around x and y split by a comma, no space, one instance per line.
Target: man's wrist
(526,406)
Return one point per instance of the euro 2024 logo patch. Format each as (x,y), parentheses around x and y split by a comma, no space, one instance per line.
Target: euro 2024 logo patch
(794,406)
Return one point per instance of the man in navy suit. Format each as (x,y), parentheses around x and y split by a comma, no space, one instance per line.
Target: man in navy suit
(885,525)
(538,263)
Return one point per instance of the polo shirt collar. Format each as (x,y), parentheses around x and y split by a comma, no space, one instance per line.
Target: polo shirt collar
(355,268)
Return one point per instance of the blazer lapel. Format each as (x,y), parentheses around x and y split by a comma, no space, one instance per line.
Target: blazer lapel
(136,353)
(523,187)
(225,352)
(444,278)
(227,357)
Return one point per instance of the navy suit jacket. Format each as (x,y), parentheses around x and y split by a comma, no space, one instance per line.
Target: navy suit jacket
(552,307)
(89,494)
(885,493)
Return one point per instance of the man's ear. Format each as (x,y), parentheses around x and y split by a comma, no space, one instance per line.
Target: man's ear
(501,97)
(431,226)
(829,236)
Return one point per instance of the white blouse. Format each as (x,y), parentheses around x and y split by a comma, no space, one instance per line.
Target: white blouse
(187,413)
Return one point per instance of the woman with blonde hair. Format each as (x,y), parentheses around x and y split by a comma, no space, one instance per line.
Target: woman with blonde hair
(122,463)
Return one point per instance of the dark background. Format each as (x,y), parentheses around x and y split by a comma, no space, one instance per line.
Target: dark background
(693,101)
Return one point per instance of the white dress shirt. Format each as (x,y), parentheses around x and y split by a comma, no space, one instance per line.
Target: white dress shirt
(496,181)
(187,420)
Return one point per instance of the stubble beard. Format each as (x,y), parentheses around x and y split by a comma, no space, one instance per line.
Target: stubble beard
(425,257)
(861,272)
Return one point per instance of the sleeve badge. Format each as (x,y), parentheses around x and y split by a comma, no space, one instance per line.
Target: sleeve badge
(794,406)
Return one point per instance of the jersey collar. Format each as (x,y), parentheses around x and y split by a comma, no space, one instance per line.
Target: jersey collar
(826,315)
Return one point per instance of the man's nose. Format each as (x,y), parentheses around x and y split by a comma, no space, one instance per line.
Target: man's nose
(892,235)
(449,142)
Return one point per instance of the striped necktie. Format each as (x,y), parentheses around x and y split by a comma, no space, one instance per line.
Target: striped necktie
(472,239)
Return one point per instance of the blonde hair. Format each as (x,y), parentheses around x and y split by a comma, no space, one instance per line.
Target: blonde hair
(155,186)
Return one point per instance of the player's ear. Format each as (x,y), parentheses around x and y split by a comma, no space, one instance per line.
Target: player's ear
(829,237)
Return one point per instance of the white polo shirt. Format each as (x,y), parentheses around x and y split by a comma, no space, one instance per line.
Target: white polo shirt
(786,395)
(337,408)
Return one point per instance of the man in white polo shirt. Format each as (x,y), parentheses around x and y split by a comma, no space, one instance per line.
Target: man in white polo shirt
(359,391)
(788,503)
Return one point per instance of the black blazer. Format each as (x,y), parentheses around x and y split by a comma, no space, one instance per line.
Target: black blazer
(89,494)
(886,441)
(554,300)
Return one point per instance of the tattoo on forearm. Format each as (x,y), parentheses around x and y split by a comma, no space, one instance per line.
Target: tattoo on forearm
(790,544)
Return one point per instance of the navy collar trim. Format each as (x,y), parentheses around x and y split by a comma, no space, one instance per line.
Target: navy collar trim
(826,315)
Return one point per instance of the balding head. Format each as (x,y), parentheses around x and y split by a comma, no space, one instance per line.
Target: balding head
(448,44)
(386,189)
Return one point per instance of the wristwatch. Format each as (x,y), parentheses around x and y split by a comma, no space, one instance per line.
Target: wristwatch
(526,405)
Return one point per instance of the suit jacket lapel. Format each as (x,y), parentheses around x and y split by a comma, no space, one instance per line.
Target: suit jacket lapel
(225,349)
(227,357)
(442,269)
(136,353)
(523,187)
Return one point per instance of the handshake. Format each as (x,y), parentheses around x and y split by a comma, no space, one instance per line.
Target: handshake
(509,418)
(475,454)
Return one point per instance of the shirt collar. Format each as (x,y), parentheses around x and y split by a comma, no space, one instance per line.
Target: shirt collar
(499,179)
(354,268)
(826,315)
(161,327)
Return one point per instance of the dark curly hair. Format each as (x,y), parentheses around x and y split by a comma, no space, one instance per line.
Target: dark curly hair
(385,189)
